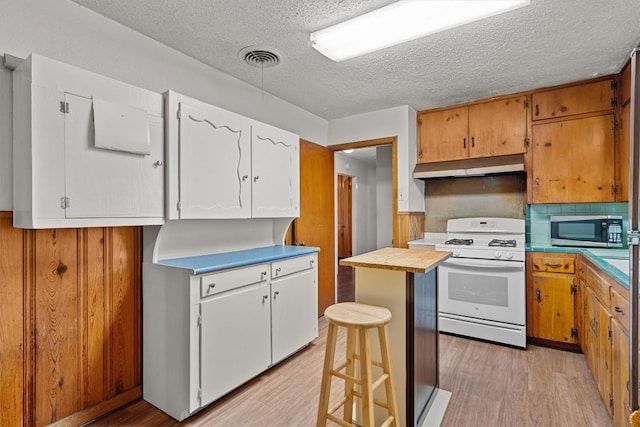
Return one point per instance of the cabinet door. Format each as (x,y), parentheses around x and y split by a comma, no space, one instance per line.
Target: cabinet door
(235,340)
(294,313)
(215,163)
(553,307)
(498,128)
(623,155)
(603,356)
(103,183)
(573,161)
(275,172)
(620,374)
(443,135)
(584,98)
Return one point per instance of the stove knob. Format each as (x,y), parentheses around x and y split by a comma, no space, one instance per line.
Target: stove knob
(498,254)
(456,253)
(509,255)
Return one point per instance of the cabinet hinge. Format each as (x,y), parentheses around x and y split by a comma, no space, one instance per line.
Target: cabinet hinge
(64,107)
(609,333)
(614,102)
(527,142)
(199,321)
(199,395)
(64,202)
(526,104)
(574,288)
(178,205)
(611,403)
(614,84)
(574,333)
(178,115)
(615,125)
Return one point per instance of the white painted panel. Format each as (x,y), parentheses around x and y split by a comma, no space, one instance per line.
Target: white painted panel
(294,314)
(6,142)
(235,340)
(384,197)
(215,168)
(276,172)
(107,183)
(216,283)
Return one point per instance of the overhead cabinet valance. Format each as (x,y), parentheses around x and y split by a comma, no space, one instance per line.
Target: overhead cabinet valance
(87,150)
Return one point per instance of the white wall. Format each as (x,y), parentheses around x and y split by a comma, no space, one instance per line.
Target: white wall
(6,134)
(384,197)
(399,122)
(65,31)
(363,202)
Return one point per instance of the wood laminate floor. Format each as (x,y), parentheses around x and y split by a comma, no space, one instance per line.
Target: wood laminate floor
(491,385)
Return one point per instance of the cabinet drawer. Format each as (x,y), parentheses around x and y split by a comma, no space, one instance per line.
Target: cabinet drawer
(620,309)
(215,283)
(553,264)
(292,265)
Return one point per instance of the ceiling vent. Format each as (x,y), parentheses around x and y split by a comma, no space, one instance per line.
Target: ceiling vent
(260,57)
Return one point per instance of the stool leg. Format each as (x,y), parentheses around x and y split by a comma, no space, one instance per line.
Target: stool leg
(325,388)
(365,378)
(390,390)
(349,371)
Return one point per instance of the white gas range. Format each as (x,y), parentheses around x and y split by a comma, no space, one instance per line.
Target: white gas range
(481,288)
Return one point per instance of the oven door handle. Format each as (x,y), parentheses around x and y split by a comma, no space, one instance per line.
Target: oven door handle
(485,264)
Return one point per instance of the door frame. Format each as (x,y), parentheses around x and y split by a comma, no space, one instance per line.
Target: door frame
(350,212)
(390,140)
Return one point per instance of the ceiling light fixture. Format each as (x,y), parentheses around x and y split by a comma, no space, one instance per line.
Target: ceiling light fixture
(348,151)
(401,22)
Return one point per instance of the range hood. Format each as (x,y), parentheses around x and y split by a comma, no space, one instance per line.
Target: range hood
(470,167)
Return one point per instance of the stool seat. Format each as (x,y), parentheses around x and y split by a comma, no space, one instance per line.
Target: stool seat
(356,314)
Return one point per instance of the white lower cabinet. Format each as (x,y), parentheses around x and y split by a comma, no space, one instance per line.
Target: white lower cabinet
(204,335)
(235,340)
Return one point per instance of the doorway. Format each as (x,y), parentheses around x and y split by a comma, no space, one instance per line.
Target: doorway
(345,185)
(366,203)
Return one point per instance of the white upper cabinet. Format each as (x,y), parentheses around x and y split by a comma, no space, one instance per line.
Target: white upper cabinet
(87,150)
(223,165)
(276,172)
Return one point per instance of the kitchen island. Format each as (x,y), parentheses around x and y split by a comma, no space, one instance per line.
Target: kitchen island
(404,281)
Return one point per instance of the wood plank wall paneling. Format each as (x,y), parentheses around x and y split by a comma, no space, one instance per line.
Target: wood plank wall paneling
(411,227)
(11,323)
(70,328)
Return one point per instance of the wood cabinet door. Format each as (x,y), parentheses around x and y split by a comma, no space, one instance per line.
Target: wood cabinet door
(215,163)
(553,307)
(294,316)
(620,374)
(573,161)
(498,128)
(584,98)
(623,154)
(603,355)
(590,330)
(275,186)
(443,135)
(235,340)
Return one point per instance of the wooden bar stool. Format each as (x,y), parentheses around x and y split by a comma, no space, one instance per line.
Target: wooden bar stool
(357,318)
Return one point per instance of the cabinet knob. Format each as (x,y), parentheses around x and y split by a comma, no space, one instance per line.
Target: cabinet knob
(158,163)
(255,178)
(276,293)
(264,298)
(312,262)
(263,275)
(244,177)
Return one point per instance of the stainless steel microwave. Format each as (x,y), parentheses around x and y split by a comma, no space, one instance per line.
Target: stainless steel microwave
(603,231)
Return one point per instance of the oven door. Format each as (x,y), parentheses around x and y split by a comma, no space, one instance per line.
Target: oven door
(483,289)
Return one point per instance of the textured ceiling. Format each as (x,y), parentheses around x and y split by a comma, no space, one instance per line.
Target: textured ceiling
(548,43)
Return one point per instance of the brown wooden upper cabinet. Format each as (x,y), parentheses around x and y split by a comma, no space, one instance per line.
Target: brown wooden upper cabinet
(486,129)
(579,99)
(573,160)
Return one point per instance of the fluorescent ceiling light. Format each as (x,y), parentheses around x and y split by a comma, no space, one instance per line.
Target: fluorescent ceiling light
(348,151)
(401,22)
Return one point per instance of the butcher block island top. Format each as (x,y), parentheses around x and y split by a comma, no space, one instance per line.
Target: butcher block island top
(409,260)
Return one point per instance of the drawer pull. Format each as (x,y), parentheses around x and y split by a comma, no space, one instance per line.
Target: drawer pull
(263,275)
(618,310)
(311,262)
(264,298)
(275,294)
(278,270)
(546,264)
(212,285)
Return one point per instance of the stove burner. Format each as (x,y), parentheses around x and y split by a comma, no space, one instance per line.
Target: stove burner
(503,243)
(463,242)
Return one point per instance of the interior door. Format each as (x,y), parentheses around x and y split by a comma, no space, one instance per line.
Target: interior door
(344,215)
(315,226)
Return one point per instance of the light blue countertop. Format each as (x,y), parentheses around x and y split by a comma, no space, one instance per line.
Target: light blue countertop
(215,262)
(596,255)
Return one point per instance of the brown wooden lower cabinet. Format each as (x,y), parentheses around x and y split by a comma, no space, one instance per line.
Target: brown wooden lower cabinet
(70,327)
